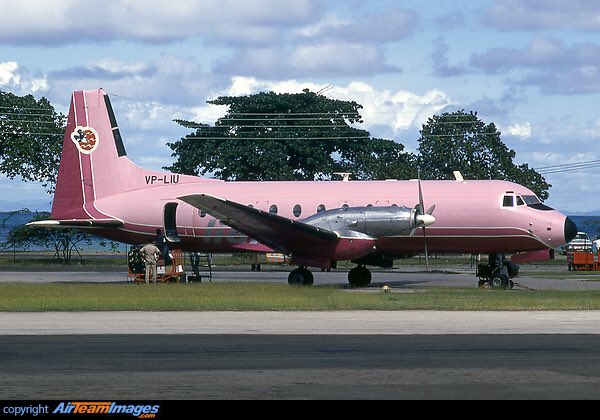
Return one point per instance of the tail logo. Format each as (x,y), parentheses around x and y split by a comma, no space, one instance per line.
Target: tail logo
(85,138)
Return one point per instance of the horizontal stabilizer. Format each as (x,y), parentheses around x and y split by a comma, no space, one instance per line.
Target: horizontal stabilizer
(78,223)
(277,232)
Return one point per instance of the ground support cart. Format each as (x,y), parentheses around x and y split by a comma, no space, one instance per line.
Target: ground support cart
(171,269)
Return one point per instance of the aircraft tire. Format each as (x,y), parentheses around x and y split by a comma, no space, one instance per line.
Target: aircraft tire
(359,277)
(499,282)
(301,277)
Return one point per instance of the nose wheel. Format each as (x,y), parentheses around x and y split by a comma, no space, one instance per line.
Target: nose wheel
(497,273)
(499,282)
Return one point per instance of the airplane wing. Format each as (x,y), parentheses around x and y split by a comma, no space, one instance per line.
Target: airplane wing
(277,232)
(78,223)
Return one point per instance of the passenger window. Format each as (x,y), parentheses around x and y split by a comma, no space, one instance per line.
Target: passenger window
(321,208)
(201,213)
(273,209)
(297,210)
(508,201)
(369,205)
(345,207)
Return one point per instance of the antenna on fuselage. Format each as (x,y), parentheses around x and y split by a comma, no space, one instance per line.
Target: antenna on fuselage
(345,175)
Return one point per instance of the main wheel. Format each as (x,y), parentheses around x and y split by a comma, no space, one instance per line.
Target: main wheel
(499,282)
(359,277)
(301,277)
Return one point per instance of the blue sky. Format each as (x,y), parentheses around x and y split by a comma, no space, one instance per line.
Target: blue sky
(532,67)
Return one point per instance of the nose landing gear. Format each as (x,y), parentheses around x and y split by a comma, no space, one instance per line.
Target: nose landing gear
(497,273)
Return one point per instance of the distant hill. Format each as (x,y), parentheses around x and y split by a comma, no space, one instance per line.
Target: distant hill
(33,205)
(595,213)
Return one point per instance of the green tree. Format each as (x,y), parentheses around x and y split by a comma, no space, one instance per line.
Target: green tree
(269,136)
(460,141)
(31,133)
(378,159)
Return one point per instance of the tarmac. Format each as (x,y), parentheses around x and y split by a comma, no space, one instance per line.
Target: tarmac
(403,278)
(337,355)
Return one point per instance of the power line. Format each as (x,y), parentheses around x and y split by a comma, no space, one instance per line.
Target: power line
(276,138)
(2,120)
(276,127)
(550,167)
(568,167)
(20,133)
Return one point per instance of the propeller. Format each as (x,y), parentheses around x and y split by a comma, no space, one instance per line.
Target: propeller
(422,219)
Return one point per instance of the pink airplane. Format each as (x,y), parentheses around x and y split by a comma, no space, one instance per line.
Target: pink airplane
(317,223)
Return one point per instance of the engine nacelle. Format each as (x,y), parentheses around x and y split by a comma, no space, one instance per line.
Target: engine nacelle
(373,222)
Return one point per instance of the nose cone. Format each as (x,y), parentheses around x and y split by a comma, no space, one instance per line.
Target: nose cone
(425,220)
(570,230)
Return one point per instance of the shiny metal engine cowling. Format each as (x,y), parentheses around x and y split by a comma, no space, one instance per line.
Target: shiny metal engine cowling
(373,222)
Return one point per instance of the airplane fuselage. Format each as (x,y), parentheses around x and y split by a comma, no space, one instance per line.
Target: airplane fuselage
(471,216)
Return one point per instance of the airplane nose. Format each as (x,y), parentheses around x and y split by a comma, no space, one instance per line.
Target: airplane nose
(570,230)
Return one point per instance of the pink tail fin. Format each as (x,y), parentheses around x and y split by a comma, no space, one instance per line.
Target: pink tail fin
(94,163)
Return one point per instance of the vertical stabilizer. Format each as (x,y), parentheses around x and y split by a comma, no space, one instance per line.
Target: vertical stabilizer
(93,163)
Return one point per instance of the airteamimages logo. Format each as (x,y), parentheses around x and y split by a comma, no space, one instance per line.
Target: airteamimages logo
(86,139)
(146,411)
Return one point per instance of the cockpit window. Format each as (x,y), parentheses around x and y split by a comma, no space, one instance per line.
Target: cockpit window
(531,199)
(520,201)
(508,201)
(535,203)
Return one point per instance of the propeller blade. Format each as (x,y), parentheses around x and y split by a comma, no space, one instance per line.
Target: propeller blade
(426,251)
(421,205)
(423,219)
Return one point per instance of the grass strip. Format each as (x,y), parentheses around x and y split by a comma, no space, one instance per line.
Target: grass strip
(247,296)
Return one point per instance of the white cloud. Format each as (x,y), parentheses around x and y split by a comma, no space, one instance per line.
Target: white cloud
(520,130)
(8,73)
(250,85)
(38,22)
(399,110)
(20,81)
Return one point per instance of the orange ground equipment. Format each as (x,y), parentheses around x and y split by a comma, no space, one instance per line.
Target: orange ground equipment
(166,271)
(582,261)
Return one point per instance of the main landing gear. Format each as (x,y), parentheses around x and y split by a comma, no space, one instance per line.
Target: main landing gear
(497,273)
(301,276)
(357,277)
